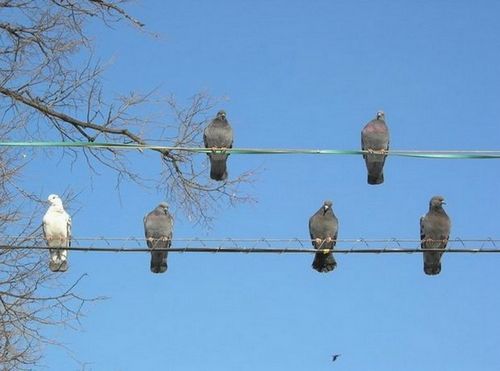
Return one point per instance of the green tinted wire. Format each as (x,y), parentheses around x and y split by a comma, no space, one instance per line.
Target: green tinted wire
(452,154)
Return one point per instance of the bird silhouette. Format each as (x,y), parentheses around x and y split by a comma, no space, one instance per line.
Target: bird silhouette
(335,356)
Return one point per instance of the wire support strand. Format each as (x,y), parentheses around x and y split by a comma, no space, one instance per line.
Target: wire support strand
(258,250)
(266,241)
(257,245)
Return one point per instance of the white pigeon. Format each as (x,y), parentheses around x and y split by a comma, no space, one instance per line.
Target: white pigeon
(57,233)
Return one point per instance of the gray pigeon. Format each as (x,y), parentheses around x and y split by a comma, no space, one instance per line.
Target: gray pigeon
(218,134)
(375,137)
(158,226)
(323,229)
(434,233)
(56,227)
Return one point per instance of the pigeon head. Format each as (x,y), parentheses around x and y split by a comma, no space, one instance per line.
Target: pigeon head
(54,200)
(436,202)
(381,115)
(163,206)
(327,205)
(221,115)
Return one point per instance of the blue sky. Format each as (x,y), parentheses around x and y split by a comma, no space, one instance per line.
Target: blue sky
(301,75)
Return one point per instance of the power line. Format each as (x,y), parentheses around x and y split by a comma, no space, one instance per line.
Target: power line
(437,154)
(268,241)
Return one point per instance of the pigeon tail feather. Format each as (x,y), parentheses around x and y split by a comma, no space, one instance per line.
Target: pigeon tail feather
(158,268)
(324,263)
(376,179)
(218,169)
(158,262)
(432,269)
(58,265)
(375,172)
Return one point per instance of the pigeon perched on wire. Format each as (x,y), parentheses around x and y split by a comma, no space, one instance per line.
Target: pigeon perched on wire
(323,229)
(57,233)
(158,225)
(375,137)
(218,135)
(434,234)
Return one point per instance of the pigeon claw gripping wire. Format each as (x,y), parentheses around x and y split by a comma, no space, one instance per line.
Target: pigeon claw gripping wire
(218,150)
(326,240)
(371,151)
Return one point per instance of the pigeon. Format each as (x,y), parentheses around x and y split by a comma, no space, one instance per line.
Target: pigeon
(218,135)
(158,226)
(375,137)
(323,229)
(335,356)
(57,233)
(434,233)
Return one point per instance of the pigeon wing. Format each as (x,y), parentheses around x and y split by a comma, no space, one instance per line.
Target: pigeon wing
(146,232)
(205,138)
(44,229)
(363,148)
(68,231)
(422,232)
(312,230)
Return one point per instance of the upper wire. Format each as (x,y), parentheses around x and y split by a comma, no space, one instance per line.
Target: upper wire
(437,154)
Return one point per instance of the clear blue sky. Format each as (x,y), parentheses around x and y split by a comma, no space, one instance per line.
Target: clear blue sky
(302,74)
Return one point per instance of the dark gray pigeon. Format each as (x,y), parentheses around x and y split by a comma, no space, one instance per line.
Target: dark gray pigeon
(323,229)
(218,134)
(434,233)
(158,226)
(375,137)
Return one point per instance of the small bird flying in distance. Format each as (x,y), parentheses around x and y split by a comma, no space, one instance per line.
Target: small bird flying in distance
(335,356)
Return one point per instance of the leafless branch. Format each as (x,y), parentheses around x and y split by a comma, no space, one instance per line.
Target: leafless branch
(40,84)
(47,93)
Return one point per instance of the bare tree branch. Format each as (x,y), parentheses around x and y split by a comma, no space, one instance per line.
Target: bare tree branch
(40,84)
(31,298)
(51,89)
